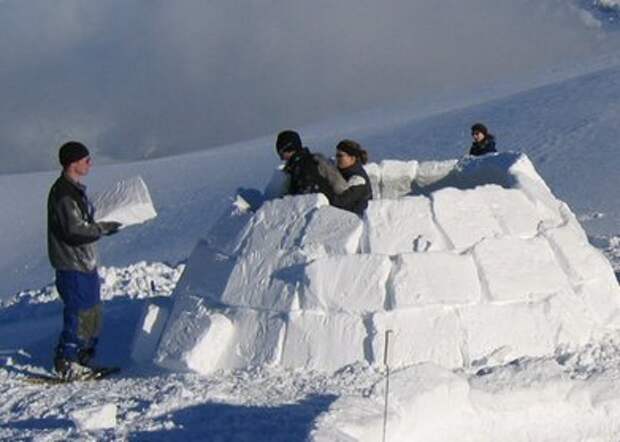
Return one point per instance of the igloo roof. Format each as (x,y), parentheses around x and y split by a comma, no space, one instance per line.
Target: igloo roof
(469,263)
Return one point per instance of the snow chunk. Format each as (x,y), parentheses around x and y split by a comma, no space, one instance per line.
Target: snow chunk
(332,231)
(99,417)
(149,330)
(518,269)
(354,283)
(279,223)
(464,216)
(401,226)
(419,335)
(326,342)
(128,202)
(396,178)
(589,272)
(418,281)
(374,174)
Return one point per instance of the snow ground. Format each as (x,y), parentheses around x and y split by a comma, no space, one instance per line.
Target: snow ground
(246,405)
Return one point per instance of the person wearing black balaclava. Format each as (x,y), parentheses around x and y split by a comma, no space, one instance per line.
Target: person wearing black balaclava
(307,172)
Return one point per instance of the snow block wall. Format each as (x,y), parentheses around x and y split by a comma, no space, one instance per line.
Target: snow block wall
(468,263)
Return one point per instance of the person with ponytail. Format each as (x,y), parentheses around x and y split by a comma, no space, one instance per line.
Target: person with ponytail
(350,158)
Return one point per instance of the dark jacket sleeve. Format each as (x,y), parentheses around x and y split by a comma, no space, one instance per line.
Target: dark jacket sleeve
(74,229)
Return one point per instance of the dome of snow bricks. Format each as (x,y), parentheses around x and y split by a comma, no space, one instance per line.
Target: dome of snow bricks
(469,263)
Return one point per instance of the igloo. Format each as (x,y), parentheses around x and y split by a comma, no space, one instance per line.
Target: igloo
(468,263)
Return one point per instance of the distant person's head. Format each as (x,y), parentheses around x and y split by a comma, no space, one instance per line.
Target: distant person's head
(348,153)
(479,132)
(74,158)
(287,143)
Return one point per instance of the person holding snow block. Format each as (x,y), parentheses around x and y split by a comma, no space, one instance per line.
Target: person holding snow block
(350,158)
(483,143)
(71,237)
(306,172)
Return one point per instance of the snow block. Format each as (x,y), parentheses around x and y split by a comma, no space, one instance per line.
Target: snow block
(187,324)
(150,327)
(205,355)
(332,231)
(418,335)
(257,340)
(128,202)
(401,226)
(519,269)
(350,283)
(417,280)
(324,342)
(589,273)
(513,211)
(499,333)
(99,417)
(464,217)
(206,273)
(279,223)
(429,172)
(264,280)
(396,178)
(374,174)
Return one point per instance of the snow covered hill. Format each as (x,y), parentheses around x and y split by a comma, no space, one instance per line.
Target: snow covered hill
(568,129)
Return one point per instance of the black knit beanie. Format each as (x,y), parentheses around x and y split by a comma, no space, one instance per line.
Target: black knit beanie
(479,127)
(71,152)
(288,140)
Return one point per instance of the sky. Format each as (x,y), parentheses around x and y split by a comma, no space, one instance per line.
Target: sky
(136,79)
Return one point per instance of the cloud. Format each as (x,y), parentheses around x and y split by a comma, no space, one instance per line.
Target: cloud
(144,78)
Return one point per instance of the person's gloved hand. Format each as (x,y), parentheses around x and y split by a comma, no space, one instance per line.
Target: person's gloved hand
(109,227)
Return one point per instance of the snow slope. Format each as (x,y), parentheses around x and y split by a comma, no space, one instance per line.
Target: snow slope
(568,129)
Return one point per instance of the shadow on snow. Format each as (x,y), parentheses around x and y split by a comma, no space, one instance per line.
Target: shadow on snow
(217,422)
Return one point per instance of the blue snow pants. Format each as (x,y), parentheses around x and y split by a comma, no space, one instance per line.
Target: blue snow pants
(82,314)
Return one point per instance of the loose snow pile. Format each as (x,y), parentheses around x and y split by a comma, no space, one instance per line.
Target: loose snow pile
(481,266)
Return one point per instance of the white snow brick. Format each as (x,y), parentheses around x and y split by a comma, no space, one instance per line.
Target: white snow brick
(396,178)
(128,202)
(149,330)
(464,216)
(332,231)
(100,417)
(401,226)
(434,278)
(373,170)
(418,335)
(206,274)
(279,223)
(589,272)
(257,340)
(497,334)
(515,214)
(429,172)
(206,354)
(353,283)
(265,280)
(519,269)
(317,341)
(187,324)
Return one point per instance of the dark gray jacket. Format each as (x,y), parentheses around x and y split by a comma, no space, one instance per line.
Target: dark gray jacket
(71,229)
